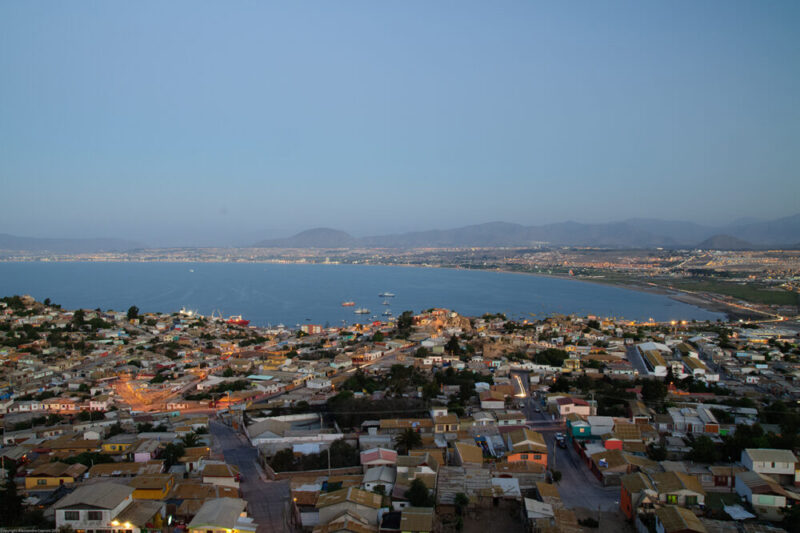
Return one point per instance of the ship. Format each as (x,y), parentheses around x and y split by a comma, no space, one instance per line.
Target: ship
(388,312)
(385,302)
(348,304)
(386,295)
(237,320)
(362,311)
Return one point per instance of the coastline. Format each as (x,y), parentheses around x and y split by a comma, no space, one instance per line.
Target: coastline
(694,299)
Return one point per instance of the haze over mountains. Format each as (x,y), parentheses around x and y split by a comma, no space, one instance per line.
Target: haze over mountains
(66,246)
(632,233)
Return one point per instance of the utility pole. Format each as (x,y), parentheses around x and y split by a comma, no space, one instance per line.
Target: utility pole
(554,455)
(329,461)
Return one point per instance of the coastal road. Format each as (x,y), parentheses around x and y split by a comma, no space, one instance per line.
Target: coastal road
(268,502)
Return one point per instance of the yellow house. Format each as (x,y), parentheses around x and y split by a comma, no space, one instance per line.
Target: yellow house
(571,365)
(53,475)
(152,486)
(119,444)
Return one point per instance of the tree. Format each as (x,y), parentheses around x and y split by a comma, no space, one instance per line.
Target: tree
(10,502)
(378,337)
(407,440)
(228,373)
(418,494)
(190,440)
(404,323)
(704,450)
(172,454)
(79,318)
(283,461)
(561,385)
(654,390)
(453,346)
(133,312)
(461,501)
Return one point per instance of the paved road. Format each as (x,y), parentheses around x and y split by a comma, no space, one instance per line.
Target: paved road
(636,360)
(578,486)
(267,501)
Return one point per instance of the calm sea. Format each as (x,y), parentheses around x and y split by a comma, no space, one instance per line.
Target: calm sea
(297,293)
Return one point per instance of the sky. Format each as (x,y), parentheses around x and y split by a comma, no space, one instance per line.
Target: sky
(223,123)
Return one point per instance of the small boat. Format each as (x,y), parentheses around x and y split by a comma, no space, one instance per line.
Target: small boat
(348,304)
(386,295)
(388,312)
(237,320)
(362,311)
(385,302)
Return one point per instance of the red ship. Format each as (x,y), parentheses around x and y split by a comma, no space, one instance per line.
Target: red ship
(348,304)
(237,320)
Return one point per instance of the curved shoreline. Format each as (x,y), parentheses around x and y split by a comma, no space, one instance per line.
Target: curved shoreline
(686,298)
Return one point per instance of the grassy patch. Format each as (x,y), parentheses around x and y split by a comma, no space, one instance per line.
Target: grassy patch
(747,292)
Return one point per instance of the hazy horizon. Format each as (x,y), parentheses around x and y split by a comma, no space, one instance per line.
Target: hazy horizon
(201,123)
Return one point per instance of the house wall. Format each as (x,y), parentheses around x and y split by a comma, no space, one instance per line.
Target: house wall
(46,482)
(107,515)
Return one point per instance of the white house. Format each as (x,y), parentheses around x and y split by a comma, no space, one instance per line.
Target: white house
(95,507)
(780,465)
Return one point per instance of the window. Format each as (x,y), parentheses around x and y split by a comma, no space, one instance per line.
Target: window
(72,515)
(524,456)
(672,498)
(95,515)
(766,499)
(537,457)
(691,500)
(41,482)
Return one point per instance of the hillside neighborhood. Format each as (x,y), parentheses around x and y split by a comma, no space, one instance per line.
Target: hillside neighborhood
(130,422)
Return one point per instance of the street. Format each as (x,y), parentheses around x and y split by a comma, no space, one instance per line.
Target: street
(578,486)
(268,502)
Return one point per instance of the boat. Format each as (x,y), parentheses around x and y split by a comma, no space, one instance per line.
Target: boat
(386,295)
(388,312)
(362,311)
(237,320)
(385,302)
(348,304)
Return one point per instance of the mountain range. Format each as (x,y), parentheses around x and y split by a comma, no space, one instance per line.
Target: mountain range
(743,234)
(633,233)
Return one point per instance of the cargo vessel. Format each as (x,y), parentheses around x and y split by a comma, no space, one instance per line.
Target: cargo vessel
(362,311)
(237,320)
(348,304)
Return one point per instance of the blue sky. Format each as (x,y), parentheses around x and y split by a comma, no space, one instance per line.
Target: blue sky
(227,122)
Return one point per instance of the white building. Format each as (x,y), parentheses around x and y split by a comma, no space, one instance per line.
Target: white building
(94,507)
(780,465)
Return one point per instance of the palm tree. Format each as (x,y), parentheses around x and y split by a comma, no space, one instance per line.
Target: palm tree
(407,440)
(190,440)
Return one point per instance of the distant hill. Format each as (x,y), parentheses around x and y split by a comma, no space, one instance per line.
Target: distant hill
(65,246)
(633,233)
(773,232)
(313,238)
(725,242)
